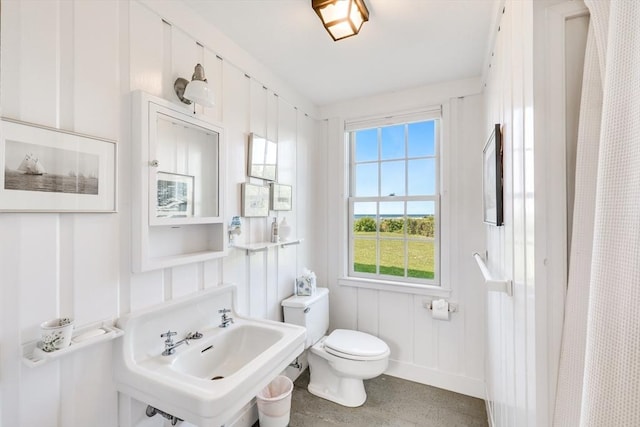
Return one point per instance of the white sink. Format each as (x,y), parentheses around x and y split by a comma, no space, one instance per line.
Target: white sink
(210,380)
(226,353)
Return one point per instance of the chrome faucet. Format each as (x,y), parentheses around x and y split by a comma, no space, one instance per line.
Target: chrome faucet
(170,346)
(226,320)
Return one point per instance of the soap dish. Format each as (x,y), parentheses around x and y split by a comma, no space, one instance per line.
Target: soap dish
(88,335)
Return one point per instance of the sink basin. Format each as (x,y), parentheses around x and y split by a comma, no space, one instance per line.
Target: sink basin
(209,381)
(226,353)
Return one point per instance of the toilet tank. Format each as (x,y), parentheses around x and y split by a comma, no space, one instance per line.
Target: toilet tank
(311,311)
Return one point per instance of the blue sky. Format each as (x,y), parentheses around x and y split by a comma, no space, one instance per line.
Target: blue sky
(391,151)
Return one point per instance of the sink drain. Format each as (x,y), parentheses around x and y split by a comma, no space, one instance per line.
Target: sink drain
(217,377)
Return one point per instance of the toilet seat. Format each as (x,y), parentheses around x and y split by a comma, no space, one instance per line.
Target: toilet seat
(355,345)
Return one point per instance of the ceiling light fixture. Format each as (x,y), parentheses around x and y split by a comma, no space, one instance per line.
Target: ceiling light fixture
(196,90)
(341,18)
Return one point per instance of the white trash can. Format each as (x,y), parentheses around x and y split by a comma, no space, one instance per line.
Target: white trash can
(274,403)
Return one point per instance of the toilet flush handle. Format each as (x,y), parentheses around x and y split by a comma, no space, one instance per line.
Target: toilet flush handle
(306,310)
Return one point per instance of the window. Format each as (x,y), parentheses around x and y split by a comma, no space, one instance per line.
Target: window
(394,200)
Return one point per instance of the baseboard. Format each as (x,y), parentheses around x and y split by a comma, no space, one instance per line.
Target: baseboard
(420,374)
(488,403)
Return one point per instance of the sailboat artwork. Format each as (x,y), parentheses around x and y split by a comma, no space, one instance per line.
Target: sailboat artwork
(46,169)
(66,171)
(31,166)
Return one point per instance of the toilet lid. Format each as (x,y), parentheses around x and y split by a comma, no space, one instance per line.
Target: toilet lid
(355,344)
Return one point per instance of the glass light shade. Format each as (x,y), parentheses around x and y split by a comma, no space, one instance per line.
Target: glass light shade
(341,18)
(341,30)
(337,11)
(198,91)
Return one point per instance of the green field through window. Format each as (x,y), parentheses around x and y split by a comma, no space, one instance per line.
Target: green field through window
(420,254)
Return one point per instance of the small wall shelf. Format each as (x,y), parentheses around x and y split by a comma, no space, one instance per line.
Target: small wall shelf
(33,356)
(264,246)
(495,285)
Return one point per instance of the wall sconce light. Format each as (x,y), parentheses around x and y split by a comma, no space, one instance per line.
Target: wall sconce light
(196,90)
(341,18)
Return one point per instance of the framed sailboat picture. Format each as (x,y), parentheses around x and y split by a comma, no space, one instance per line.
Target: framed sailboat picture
(51,170)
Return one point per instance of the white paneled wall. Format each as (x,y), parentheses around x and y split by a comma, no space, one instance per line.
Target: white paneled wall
(510,102)
(245,105)
(58,70)
(446,354)
(526,89)
(73,65)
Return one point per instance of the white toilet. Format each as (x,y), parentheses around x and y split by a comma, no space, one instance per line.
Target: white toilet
(339,361)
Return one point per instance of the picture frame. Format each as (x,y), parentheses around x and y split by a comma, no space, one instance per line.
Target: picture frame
(174,195)
(492,179)
(255,200)
(281,197)
(263,158)
(53,170)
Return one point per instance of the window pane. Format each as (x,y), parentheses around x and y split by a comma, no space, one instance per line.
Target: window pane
(422,177)
(391,209)
(392,257)
(366,145)
(361,209)
(366,180)
(392,219)
(393,179)
(421,259)
(364,218)
(421,139)
(421,219)
(393,142)
(364,255)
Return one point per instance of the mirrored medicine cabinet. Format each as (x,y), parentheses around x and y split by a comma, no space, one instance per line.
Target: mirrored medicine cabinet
(178,192)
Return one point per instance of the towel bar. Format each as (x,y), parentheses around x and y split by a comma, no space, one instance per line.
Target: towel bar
(495,285)
(293,242)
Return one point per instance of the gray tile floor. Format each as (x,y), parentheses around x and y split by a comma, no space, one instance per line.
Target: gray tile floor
(391,402)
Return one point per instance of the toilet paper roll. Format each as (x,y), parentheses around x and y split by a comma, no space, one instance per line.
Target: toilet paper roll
(440,309)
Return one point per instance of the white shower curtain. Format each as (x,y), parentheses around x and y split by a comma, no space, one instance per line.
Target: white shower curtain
(599,378)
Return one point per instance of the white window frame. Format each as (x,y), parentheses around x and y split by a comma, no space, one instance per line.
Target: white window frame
(381,281)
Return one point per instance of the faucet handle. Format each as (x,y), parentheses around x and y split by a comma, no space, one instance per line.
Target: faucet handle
(168,335)
(193,336)
(224,311)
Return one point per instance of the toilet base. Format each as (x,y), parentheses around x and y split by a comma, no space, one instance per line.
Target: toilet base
(340,380)
(328,384)
(350,392)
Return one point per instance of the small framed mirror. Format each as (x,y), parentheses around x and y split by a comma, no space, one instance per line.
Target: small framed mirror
(263,155)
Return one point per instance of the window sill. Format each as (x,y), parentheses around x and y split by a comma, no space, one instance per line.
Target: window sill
(405,288)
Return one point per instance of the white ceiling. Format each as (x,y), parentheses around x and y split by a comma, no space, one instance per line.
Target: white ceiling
(405,44)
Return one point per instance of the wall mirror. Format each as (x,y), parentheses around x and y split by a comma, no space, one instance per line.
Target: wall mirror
(263,156)
(184,162)
(184,173)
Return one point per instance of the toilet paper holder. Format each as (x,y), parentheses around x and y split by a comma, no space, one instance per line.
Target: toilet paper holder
(453,307)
